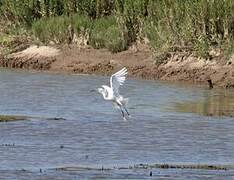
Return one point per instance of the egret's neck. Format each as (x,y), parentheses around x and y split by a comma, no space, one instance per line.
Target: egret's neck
(104,94)
(107,93)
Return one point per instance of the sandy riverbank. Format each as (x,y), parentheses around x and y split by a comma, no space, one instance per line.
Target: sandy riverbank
(139,61)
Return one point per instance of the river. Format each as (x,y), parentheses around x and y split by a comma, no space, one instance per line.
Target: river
(71,126)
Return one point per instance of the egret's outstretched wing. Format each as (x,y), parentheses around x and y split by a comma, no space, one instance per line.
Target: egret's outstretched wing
(117,80)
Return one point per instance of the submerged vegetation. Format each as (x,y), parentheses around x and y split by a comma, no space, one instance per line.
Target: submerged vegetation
(150,166)
(7,118)
(197,26)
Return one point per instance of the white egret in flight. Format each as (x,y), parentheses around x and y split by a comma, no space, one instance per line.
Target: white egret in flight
(112,93)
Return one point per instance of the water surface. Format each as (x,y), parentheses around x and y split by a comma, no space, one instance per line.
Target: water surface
(170,123)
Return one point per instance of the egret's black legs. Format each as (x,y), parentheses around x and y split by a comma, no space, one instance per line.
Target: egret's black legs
(126,110)
(122,111)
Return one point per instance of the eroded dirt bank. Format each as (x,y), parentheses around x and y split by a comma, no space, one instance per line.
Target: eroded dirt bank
(139,61)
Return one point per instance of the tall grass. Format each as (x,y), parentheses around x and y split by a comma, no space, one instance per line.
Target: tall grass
(169,25)
(52,29)
(102,33)
(192,25)
(106,34)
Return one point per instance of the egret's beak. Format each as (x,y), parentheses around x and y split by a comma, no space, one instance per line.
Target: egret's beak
(93,90)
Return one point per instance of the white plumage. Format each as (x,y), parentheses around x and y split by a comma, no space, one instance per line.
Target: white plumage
(112,93)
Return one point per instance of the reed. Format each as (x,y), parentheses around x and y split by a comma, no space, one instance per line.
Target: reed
(196,25)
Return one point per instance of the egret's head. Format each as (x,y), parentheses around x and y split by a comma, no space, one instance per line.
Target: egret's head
(101,90)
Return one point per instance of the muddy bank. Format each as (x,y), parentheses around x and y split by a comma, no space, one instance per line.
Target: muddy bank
(33,57)
(139,61)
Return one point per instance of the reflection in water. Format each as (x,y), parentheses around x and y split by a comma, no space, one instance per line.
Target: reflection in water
(218,105)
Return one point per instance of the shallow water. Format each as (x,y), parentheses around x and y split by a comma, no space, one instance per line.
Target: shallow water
(170,123)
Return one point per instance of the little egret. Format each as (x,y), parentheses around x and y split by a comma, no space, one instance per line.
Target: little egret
(112,93)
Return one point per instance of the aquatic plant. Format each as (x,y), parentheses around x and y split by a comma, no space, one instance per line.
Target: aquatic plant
(7,118)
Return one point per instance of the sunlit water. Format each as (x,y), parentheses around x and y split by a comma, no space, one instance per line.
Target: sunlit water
(170,123)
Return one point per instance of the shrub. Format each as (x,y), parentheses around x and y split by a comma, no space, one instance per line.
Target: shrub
(52,29)
(106,34)
(81,23)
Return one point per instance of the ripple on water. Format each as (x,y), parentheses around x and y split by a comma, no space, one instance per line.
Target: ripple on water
(88,131)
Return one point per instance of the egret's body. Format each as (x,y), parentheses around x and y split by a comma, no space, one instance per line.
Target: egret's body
(112,93)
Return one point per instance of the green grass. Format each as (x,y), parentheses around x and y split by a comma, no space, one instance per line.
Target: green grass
(52,29)
(81,23)
(5,39)
(12,37)
(61,29)
(106,34)
(196,26)
(228,47)
(101,33)
(201,47)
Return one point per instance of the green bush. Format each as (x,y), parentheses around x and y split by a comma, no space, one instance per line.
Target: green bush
(106,34)
(228,47)
(81,23)
(12,37)
(52,29)
(201,47)
(158,38)
(60,29)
